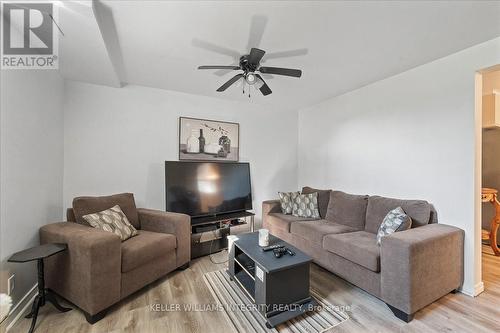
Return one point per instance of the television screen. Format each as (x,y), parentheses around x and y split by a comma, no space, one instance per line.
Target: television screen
(207,188)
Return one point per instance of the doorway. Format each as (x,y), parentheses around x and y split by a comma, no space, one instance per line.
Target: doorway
(488,213)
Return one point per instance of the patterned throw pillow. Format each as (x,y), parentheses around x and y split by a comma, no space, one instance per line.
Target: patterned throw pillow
(306,205)
(112,220)
(286,200)
(395,220)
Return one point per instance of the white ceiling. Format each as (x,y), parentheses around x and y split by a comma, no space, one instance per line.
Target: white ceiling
(349,44)
(82,51)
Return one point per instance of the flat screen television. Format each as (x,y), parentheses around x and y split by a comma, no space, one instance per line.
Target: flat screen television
(207,188)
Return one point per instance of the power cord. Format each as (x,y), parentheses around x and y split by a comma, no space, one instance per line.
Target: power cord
(210,251)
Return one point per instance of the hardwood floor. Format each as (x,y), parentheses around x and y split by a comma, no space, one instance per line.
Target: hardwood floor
(452,313)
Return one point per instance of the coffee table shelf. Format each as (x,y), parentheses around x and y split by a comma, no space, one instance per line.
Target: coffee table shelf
(247,264)
(247,283)
(245,273)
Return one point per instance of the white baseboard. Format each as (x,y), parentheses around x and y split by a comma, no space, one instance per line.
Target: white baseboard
(21,307)
(478,288)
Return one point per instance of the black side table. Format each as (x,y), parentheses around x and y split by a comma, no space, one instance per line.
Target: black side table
(39,253)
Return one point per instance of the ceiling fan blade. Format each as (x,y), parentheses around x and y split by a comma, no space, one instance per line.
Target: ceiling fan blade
(222,72)
(286,54)
(257,27)
(216,48)
(219,67)
(255,56)
(230,82)
(264,89)
(281,71)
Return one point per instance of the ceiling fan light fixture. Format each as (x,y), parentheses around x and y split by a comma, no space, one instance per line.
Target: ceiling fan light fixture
(250,78)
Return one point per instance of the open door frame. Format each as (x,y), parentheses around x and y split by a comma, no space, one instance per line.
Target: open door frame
(478,173)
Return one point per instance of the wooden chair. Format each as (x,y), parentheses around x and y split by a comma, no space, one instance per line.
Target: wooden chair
(491,195)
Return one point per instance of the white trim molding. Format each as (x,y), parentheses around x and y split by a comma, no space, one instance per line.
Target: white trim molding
(21,307)
(478,289)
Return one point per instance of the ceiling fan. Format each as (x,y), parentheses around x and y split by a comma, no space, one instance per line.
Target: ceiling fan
(250,64)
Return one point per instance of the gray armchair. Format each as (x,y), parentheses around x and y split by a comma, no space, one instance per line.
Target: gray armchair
(99,269)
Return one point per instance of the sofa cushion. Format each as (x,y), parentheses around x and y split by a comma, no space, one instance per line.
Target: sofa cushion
(286,200)
(323,199)
(395,220)
(145,247)
(314,231)
(283,221)
(347,209)
(359,247)
(378,207)
(89,205)
(306,205)
(112,220)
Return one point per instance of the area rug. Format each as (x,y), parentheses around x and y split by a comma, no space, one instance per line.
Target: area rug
(238,308)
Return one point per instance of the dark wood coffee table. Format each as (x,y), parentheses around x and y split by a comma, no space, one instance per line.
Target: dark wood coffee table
(38,253)
(278,286)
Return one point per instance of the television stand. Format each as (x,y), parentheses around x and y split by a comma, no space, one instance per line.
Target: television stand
(223,217)
(209,233)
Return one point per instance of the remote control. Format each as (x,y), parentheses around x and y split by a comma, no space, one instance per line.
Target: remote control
(272,247)
(278,252)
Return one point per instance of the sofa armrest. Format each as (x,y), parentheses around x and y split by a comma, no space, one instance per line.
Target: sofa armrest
(169,223)
(420,265)
(269,206)
(89,272)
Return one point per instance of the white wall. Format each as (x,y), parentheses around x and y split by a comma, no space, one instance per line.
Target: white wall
(117,140)
(409,136)
(31,164)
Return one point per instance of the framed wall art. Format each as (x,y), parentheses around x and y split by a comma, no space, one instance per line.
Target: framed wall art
(208,140)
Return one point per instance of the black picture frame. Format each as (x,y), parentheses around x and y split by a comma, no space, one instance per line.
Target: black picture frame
(214,130)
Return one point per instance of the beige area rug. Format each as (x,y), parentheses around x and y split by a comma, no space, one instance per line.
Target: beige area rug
(227,294)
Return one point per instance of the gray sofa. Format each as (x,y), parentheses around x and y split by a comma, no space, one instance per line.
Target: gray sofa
(409,270)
